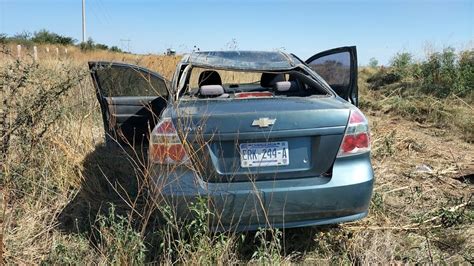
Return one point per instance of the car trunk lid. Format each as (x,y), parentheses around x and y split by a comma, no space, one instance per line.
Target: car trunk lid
(311,128)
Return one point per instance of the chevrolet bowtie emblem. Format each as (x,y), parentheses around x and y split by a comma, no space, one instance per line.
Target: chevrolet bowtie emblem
(263,122)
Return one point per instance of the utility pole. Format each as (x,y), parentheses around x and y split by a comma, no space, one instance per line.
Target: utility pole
(83,21)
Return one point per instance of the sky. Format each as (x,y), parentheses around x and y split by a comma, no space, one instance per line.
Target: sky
(379,29)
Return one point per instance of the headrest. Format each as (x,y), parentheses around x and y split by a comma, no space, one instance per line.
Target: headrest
(209,77)
(211,90)
(284,85)
(269,79)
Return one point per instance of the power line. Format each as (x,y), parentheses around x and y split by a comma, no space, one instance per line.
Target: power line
(106,14)
(95,12)
(122,41)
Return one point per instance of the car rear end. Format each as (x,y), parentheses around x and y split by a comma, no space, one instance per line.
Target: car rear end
(261,162)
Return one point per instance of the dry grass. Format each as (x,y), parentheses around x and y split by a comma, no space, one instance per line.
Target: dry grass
(164,65)
(58,208)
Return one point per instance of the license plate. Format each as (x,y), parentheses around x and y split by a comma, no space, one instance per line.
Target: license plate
(264,154)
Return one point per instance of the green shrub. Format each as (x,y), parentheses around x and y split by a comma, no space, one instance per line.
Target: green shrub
(373,63)
(115,49)
(401,64)
(465,73)
(70,250)
(119,242)
(269,248)
(101,46)
(45,36)
(190,241)
(439,73)
(91,45)
(3,38)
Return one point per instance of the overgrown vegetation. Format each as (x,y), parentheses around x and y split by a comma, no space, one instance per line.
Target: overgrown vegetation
(438,90)
(441,74)
(69,199)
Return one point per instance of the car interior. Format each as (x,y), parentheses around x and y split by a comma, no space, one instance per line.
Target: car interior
(210,84)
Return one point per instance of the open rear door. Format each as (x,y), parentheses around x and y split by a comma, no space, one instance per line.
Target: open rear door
(338,67)
(131,99)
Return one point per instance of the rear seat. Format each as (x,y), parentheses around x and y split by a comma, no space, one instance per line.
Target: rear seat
(268,80)
(286,87)
(210,84)
(211,90)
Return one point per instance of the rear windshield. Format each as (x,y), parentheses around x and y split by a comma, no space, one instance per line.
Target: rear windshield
(215,83)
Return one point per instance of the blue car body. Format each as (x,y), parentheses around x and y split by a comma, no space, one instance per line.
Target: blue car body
(221,133)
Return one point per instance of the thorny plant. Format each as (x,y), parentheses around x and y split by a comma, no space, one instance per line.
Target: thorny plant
(31,104)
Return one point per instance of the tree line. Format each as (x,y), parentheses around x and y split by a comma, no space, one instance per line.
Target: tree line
(47,37)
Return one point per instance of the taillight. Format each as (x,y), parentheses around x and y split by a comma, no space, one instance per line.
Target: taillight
(165,145)
(357,137)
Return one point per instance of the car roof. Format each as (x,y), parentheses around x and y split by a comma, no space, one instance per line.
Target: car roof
(243,60)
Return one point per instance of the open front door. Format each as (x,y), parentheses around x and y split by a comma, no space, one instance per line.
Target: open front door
(338,67)
(131,99)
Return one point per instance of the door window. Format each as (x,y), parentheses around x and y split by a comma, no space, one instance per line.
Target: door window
(335,69)
(118,81)
(338,67)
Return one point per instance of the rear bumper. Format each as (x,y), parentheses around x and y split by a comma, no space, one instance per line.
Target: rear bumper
(278,203)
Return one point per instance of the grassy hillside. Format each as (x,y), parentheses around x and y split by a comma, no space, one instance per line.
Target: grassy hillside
(68,199)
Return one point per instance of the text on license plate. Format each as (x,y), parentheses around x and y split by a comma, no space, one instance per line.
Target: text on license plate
(264,154)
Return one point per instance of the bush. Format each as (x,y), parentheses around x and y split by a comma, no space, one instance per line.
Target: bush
(3,38)
(115,49)
(402,63)
(373,63)
(101,46)
(465,85)
(119,242)
(45,36)
(32,95)
(23,38)
(91,45)
(448,73)
(438,73)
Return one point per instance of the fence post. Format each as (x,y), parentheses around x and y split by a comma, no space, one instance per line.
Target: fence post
(18,50)
(35,53)
(57,51)
(65,50)
(47,50)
